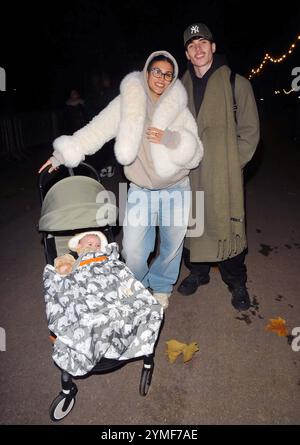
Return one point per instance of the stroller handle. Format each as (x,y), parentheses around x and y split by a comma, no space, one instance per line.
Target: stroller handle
(44,175)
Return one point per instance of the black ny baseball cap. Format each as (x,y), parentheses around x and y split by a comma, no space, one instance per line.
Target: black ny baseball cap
(198,30)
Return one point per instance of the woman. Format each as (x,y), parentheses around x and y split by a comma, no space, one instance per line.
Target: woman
(158,144)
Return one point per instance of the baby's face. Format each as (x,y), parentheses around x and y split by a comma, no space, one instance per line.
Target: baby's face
(89,243)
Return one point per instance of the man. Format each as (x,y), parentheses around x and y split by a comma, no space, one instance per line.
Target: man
(229,145)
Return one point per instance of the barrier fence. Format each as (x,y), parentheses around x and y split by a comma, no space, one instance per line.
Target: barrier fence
(20,131)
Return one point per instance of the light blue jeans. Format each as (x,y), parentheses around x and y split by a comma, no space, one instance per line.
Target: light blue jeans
(146,209)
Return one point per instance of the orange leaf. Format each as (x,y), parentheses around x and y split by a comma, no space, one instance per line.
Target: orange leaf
(277,325)
(189,351)
(174,349)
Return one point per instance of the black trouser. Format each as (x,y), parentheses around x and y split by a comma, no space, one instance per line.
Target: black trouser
(233,270)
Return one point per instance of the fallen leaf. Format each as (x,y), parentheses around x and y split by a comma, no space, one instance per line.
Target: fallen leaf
(174,349)
(277,325)
(189,351)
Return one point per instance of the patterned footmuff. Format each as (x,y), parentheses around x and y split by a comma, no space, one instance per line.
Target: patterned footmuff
(99,310)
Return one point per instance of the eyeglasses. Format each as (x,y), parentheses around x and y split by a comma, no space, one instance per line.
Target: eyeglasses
(168,76)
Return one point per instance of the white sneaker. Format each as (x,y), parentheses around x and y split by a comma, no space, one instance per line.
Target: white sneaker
(162,298)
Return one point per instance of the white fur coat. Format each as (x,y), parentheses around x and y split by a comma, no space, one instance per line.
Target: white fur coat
(124,119)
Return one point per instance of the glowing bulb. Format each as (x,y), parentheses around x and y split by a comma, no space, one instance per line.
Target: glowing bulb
(273,60)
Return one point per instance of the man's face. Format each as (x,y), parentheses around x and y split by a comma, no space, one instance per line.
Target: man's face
(200,52)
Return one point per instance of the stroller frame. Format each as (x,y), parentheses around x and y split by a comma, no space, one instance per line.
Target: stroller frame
(63,404)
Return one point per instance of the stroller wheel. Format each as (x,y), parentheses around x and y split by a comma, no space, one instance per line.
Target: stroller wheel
(145,380)
(62,405)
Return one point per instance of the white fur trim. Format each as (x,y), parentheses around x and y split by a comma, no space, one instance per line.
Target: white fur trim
(125,118)
(169,108)
(188,149)
(73,242)
(69,150)
(132,119)
(100,130)
(172,113)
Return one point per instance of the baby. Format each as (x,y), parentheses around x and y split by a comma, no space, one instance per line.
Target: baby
(80,243)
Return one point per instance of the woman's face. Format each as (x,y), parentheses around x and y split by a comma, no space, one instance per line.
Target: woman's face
(159,84)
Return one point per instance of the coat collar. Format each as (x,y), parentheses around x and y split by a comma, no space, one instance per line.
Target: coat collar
(171,104)
(133,113)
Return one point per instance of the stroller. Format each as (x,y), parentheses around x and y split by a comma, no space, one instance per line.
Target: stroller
(70,204)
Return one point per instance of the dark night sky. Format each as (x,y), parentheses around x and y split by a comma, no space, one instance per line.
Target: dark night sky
(50,47)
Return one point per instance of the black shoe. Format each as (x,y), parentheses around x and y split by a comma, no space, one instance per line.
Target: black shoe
(240,298)
(191,283)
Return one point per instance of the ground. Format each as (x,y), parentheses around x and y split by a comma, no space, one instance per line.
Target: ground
(242,374)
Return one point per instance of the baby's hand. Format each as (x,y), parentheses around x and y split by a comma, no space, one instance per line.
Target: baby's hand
(64,269)
(63,264)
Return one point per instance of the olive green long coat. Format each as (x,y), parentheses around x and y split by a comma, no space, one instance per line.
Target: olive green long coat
(227,149)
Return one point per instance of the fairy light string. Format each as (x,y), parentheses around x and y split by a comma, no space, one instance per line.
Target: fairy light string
(277,60)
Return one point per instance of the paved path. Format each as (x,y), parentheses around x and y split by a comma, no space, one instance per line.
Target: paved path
(242,374)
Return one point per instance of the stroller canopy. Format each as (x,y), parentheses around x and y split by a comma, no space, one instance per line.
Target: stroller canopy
(77,202)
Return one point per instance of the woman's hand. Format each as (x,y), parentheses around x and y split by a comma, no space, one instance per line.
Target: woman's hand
(47,163)
(154,135)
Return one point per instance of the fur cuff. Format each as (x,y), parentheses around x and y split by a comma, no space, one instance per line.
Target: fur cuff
(189,152)
(69,150)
